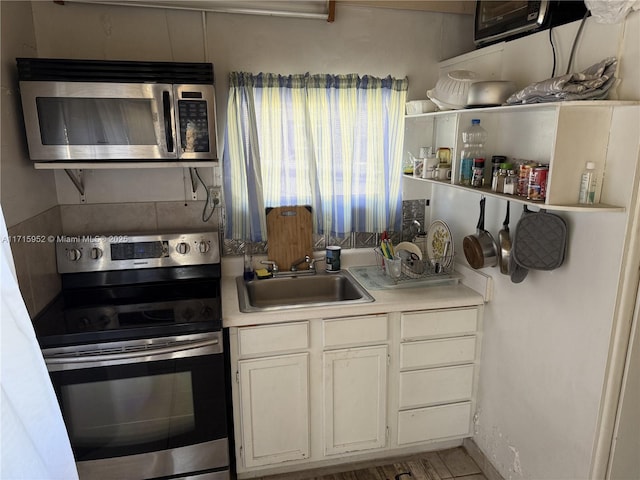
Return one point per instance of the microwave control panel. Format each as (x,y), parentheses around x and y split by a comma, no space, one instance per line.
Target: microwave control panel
(194,124)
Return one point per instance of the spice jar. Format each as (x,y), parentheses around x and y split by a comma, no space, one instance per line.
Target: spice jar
(477,173)
(511,183)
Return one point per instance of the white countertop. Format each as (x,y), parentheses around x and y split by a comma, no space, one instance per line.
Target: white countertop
(387,300)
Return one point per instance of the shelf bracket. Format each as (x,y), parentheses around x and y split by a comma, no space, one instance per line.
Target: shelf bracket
(194,183)
(77,179)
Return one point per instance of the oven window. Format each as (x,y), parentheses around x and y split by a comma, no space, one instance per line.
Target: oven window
(142,406)
(129,411)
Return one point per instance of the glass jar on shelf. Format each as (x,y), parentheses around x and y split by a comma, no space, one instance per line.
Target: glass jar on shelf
(511,183)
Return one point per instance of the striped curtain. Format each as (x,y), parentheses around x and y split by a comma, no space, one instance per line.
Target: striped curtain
(330,141)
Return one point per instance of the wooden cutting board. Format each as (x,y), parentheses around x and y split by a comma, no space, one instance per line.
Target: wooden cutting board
(289,235)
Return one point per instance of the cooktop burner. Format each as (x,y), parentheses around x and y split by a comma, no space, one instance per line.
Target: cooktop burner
(133,286)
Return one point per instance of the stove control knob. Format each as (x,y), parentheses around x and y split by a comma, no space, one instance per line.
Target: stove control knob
(73,254)
(95,253)
(182,248)
(204,247)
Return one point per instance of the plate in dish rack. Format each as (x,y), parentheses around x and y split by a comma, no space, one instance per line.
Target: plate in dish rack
(437,237)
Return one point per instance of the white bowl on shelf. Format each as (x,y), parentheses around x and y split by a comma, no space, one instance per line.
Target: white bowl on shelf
(442,105)
(451,90)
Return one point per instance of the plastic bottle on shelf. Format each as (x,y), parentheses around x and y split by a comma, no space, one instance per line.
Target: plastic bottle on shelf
(474,138)
(588,184)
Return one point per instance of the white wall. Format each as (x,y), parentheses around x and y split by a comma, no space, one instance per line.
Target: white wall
(546,341)
(25,192)
(362,40)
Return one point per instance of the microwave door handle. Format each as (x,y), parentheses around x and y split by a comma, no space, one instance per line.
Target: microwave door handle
(168,124)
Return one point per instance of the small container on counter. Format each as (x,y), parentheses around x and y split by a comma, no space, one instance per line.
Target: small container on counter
(332,258)
(248,267)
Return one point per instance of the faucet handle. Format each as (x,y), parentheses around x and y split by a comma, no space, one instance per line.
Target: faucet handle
(272,264)
(305,259)
(312,263)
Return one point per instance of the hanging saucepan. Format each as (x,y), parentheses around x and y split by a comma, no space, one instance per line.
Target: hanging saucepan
(504,244)
(480,249)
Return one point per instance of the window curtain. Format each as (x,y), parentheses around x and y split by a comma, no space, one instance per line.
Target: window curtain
(330,141)
(242,177)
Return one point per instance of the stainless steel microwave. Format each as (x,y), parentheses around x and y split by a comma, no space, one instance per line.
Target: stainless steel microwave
(94,110)
(499,20)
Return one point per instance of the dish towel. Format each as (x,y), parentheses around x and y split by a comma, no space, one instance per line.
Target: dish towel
(34,442)
(593,83)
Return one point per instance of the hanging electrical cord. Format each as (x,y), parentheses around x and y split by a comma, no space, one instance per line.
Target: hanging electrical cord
(575,41)
(553,48)
(205,218)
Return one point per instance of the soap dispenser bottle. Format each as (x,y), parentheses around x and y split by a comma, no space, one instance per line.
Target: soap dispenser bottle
(248,267)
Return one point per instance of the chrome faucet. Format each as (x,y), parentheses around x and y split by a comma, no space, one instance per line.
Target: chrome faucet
(271,265)
(306,259)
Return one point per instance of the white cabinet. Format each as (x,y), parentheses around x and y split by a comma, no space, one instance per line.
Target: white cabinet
(355,383)
(563,135)
(272,413)
(355,393)
(274,402)
(326,391)
(438,353)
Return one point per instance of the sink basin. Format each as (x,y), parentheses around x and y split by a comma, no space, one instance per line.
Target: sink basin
(321,289)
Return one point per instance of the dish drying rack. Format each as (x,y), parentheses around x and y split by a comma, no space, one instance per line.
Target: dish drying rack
(415,273)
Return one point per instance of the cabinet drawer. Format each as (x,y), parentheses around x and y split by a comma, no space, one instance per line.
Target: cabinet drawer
(432,353)
(439,323)
(435,385)
(273,338)
(354,330)
(431,423)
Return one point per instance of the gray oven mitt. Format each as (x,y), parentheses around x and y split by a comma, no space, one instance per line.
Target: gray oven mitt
(593,83)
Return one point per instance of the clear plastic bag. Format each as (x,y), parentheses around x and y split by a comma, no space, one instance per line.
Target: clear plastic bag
(611,11)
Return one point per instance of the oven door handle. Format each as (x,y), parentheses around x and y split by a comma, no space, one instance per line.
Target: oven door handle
(135,355)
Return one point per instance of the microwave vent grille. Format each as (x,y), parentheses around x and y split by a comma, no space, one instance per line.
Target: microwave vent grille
(116,71)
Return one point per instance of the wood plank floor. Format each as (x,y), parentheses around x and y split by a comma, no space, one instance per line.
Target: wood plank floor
(449,464)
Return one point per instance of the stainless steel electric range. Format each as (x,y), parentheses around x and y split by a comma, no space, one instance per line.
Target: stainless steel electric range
(134,348)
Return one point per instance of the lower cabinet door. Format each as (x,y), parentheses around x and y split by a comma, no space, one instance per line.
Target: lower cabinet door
(355,393)
(422,424)
(274,402)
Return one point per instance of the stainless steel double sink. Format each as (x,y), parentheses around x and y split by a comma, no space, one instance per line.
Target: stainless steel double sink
(280,293)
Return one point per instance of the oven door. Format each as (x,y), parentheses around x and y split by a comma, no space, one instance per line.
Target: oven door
(144,409)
